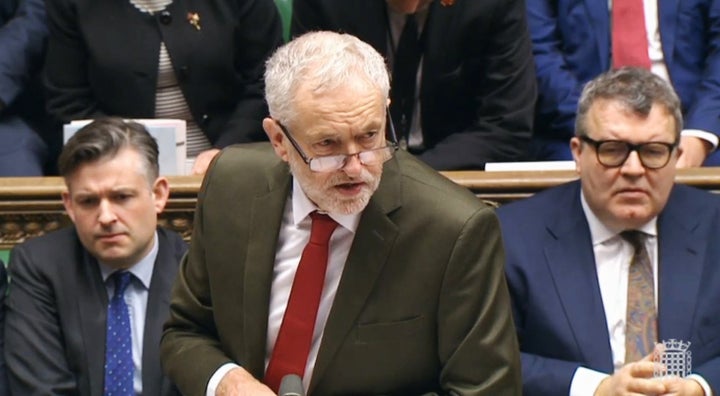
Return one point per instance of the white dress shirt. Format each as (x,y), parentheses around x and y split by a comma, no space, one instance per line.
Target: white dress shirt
(613,255)
(136,297)
(294,235)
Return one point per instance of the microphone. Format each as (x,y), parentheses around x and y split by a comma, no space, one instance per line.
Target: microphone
(291,385)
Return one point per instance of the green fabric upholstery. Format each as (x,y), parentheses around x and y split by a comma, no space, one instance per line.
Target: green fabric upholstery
(285,8)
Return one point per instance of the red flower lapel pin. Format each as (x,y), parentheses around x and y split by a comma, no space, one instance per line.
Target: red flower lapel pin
(194,19)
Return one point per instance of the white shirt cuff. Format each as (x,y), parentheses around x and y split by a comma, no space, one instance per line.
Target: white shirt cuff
(704,135)
(217,377)
(700,380)
(585,381)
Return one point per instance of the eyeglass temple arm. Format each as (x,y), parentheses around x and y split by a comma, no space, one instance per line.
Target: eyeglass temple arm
(293,142)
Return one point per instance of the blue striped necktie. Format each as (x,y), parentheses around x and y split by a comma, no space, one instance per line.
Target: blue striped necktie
(118,341)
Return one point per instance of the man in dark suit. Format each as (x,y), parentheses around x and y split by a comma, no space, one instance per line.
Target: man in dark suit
(409,297)
(87,303)
(475,93)
(23,33)
(588,303)
(572,43)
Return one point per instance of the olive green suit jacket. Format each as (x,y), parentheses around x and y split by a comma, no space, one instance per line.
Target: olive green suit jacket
(422,306)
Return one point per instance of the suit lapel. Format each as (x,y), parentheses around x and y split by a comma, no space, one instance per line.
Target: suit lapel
(571,263)
(680,265)
(156,313)
(667,23)
(266,214)
(92,301)
(600,20)
(372,244)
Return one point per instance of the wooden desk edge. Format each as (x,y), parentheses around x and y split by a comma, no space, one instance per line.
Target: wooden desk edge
(32,206)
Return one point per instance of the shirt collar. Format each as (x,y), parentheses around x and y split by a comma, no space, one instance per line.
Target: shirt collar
(600,233)
(302,206)
(142,270)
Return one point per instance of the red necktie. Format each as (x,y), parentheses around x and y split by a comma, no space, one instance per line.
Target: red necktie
(295,336)
(629,36)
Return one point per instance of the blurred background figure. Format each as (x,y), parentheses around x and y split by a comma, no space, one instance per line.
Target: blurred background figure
(576,40)
(463,82)
(197,60)
(23,121)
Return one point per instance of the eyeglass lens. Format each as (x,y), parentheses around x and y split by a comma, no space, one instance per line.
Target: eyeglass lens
(652,155)
(368,157)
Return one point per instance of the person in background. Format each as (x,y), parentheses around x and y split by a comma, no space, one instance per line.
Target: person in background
(197,60)
(463,82)
(603,268)
(23,122)
(326,255)
(87,303)
(576,40)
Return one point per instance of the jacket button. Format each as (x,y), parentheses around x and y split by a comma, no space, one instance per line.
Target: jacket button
(165,17)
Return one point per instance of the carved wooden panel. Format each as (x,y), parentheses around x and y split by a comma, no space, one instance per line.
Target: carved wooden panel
(15,228)
(33,206)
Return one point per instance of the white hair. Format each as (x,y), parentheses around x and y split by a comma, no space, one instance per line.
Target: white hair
(322,61)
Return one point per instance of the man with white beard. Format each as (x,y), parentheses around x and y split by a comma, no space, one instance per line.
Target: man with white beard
(463,79)
(328,255)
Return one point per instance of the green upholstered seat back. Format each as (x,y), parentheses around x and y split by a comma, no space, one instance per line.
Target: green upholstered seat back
(285,8)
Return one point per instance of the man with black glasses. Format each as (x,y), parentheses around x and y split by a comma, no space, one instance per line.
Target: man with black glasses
(330,255)
(602,269)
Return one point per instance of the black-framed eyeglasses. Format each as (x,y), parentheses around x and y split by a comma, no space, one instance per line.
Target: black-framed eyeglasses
(614,153)
(329,163)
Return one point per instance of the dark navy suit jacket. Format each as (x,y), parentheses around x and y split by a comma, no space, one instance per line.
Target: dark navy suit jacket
(56,316)
(557,306)
(22,38)
(571,44)
(26,131)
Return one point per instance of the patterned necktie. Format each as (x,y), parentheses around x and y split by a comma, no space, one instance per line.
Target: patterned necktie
(294,339)
(404,75)
(118,342)
(629,36)
(641,319)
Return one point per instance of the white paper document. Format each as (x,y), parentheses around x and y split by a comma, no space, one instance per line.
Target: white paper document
(530,166)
